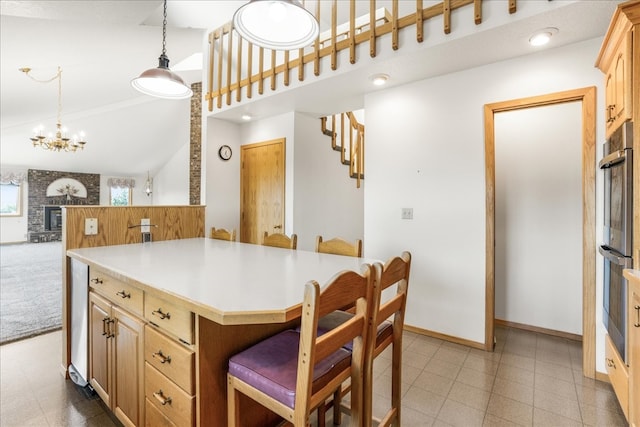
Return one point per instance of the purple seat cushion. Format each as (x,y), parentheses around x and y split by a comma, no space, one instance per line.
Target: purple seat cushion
(271,366)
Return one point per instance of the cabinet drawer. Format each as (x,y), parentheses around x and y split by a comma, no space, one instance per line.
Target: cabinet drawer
(618,375)
(168,398)
(120,293)
(170,358)
(155,418)
(168,316)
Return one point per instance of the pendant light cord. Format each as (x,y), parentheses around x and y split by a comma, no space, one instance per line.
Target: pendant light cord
(57,76)
(164,30)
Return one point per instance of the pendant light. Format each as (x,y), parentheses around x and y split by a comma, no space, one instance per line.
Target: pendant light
(276,24)
(161,82)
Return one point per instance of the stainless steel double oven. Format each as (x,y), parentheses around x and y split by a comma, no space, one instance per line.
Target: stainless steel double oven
(617,165)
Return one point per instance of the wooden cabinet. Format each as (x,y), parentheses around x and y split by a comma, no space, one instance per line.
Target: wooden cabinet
(618,374)
(616,61)
(633,328)
(116,340)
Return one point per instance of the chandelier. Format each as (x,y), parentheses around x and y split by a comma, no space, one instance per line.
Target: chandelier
(60,141)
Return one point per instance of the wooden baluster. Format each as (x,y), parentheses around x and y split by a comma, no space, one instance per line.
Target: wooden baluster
(286,68)
(352,32)
(372,28)
(261,71)
(220,58)
(301,64)
(512,6)
(239,71)
(316,46)
(273,69)
(477,11)
(342,145)
(394,24)
(249,69)
(212,41)
(446,12)
(333,131)
(229,63)
(334,19)
(419,22)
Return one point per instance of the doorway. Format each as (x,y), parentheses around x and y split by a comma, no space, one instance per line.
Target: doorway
(586,97)
(262,189)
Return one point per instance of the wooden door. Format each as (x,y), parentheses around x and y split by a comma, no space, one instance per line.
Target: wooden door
(99,347)
(127,368)
(262,177)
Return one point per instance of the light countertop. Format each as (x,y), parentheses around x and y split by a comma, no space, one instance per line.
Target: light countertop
(227,282)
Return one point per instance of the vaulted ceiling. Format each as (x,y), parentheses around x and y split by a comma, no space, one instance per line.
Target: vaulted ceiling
(102,45)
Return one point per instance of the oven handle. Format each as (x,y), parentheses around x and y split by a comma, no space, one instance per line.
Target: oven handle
(613,159)
(615,257)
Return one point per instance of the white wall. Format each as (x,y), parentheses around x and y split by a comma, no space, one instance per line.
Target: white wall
(425,149)
(538,239)
(222,177)
(326,199)
(171,182)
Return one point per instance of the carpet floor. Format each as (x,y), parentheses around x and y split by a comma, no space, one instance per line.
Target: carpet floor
(30,289)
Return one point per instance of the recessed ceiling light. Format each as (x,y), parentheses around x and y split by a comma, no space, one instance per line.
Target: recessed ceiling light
(246,117)
(379,79)
(542,37)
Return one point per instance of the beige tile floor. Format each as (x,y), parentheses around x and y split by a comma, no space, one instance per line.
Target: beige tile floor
(531,380)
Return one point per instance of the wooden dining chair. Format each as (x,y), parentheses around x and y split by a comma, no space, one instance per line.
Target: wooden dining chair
(339,246)
(389,322)
(280,240)
(222,234)
(294,372)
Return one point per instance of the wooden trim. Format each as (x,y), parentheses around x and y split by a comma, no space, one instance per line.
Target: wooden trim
(537,329)
(444,337)
(602,377)
(588,98)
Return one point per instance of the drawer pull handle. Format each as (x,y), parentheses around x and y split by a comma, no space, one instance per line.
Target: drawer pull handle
(611,363)
(123,294)
(162,357)
(160,314)
(96,280)
(161,398)
(111,334)
(637,308)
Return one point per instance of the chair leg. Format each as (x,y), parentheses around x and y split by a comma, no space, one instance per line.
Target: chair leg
(233,411)
(337,406)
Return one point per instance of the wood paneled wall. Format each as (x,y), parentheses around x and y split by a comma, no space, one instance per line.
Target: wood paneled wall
(168,223)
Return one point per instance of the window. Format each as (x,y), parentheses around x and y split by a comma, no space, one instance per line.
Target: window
(120,196)
(120,191)
(10,200)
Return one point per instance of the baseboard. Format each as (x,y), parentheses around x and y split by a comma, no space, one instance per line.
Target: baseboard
(449,338)
(538,329)
(601,376)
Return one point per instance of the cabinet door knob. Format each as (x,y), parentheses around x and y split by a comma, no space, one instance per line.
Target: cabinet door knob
(96,280)
(611,363)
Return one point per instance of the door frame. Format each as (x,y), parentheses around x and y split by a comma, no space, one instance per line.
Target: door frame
(587,96)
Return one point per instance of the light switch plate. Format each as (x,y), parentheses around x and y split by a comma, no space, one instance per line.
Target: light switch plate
(145,225)
(407,213)
(90,226)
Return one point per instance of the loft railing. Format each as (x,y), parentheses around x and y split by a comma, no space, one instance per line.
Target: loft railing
(351,146)
(235,64)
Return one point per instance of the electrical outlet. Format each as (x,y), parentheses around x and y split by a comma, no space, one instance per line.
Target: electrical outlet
(407,213)
(145,224)
(90,226)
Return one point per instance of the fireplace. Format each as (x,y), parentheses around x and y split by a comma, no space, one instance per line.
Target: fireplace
(52,218)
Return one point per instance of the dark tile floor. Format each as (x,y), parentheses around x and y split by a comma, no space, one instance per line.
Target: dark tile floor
(530,380)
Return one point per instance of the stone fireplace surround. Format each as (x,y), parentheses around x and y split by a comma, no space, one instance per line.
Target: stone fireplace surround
(38,181)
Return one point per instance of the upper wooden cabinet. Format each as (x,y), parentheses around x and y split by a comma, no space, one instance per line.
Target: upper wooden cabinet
(616,62)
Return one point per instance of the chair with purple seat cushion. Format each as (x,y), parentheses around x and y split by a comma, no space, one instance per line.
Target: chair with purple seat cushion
(294,372)
(389,324)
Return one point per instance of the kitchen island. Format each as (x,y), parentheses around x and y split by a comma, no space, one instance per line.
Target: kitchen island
(206,299)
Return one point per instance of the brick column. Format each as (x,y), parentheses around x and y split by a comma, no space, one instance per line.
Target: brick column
(195,151)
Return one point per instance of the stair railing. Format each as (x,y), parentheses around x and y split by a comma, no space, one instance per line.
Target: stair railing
(351,146)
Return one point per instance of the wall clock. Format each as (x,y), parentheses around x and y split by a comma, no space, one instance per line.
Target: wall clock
(224,152)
